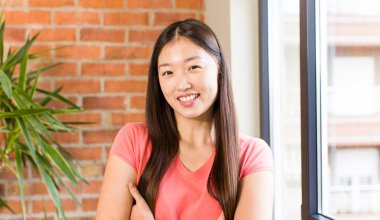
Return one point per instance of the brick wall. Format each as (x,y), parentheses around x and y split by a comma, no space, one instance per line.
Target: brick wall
(105,59)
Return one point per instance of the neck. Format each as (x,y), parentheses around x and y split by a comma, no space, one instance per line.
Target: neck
(195,133)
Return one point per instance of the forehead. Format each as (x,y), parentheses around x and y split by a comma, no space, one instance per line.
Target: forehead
(180,49)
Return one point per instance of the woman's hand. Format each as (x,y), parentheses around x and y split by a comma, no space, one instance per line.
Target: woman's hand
(141,210)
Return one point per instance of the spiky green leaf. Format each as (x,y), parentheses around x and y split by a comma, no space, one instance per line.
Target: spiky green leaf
(2,28)
(6,85)
(20,178)
(57,96)
(4,204)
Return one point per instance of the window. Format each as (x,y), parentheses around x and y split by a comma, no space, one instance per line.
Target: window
(330,116)
(281,111)
(340,114)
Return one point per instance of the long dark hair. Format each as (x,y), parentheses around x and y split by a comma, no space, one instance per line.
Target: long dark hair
(162,127)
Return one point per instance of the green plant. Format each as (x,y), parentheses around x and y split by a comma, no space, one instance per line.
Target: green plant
(26,125)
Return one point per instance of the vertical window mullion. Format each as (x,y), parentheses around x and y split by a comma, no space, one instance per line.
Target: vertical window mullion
(310,112)
(309,115)
(264,72)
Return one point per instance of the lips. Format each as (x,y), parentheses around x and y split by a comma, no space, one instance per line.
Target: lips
(188,97)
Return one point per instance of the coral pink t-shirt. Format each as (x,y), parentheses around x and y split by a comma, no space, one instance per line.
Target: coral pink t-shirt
(183,194)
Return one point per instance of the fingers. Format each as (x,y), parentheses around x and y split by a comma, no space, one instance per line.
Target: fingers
(141,210)
(135,193)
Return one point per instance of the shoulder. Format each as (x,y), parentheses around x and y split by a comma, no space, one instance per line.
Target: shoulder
(248,143)
(136,128)
(255,155)
(133,135)
(130,144)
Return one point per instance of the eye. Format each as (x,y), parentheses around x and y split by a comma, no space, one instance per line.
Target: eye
(167,73)
(194,67)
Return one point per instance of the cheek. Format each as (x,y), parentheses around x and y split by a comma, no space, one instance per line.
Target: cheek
(166,88)
(213,83)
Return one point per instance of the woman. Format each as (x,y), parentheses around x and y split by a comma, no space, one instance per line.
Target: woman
(188,160)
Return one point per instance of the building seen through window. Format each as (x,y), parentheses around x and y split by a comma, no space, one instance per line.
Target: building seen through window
(350,88)
(350,106)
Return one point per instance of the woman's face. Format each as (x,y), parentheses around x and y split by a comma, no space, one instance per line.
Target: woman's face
(188,77)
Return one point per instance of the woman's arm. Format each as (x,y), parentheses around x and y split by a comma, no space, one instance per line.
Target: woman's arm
(115,200)
(256,197)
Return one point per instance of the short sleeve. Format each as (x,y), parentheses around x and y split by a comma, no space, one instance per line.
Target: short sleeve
(124,145)
(256,156)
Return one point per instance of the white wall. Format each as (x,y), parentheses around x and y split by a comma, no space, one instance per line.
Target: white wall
(235,22)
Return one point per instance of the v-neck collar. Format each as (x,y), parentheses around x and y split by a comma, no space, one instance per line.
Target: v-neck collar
(201,171)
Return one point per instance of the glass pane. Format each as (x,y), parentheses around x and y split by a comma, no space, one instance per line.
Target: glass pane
(350,107)
(285,125)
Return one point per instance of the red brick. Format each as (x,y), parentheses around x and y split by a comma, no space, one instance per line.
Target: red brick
(9,3)
(55,34)
(100,136)
(190,4)
(15,34)
(101,3)
(123,118)
(103,69)
(51,3)
(35,174)
(6,173)
(58,104)
(167,18)
(15,205)
(78,86)
(64,69)
(125,86)
(99,34)
(94,186)
(79,52)
(13,188)
(75,17)
(66,138)
(117,102)
(127,52)
(125,18)
(44,84)
(2,190)
(108,149)
(27,17)
(144,36)
(41,50)
(89,153)
(95,118)
(153,4)
(45,218)
(138,68)
(40,206)
(138,102)
(201,17)
(92,170)
(38,189)
(89,204)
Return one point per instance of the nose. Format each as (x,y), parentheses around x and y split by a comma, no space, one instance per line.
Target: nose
(183,83)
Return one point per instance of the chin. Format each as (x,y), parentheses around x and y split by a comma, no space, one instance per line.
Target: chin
(192,115)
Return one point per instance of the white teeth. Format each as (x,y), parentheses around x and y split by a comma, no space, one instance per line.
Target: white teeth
(187,98)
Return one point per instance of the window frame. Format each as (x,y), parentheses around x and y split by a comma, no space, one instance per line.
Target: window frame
(310,135)
(310,112)
(264,72)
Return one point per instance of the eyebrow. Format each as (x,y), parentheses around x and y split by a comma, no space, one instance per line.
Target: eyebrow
(185,60)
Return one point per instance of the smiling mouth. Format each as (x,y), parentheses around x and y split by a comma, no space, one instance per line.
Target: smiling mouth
(188,98)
